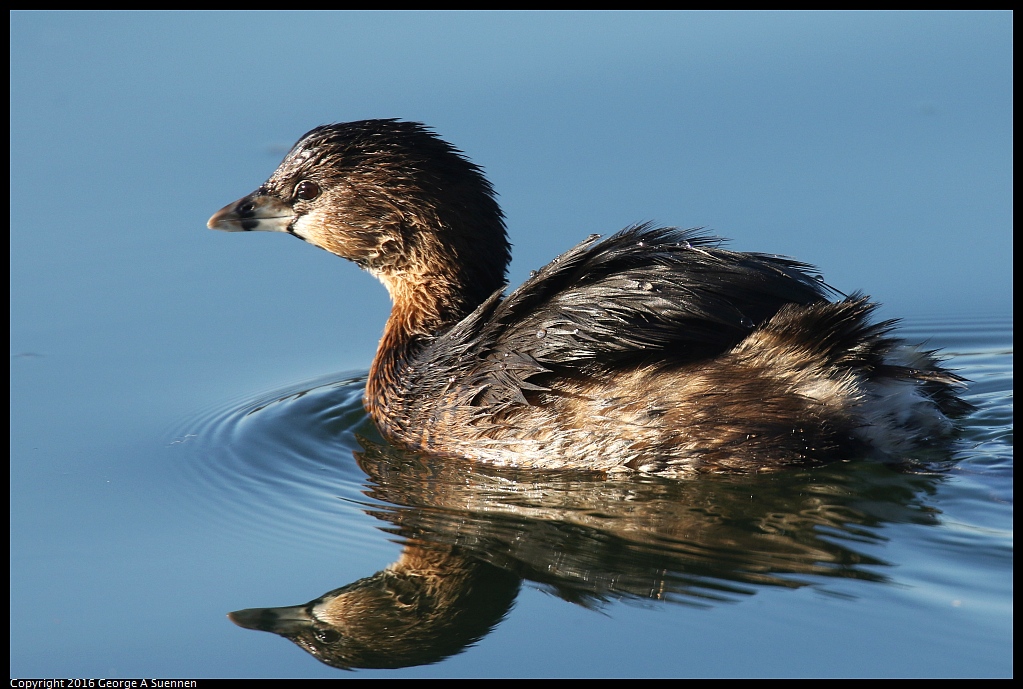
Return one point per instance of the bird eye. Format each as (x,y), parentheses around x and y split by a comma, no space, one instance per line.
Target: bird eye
(327,636)
(307,191)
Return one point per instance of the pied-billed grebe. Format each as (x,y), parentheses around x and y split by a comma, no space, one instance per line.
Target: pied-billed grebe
(652,350)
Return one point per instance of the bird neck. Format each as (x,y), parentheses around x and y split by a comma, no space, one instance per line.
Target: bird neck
(425,305)
(453,257)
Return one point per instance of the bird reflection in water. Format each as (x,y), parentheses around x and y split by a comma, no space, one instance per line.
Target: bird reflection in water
(473,533)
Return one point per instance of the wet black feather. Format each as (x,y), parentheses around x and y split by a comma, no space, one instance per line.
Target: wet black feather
(645,293)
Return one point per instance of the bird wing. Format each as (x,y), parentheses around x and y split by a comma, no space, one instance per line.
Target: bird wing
(645,293)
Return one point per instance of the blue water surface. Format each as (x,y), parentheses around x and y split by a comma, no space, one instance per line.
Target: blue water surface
(187,436)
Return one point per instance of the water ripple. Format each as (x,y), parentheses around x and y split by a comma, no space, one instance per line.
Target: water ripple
(280,463)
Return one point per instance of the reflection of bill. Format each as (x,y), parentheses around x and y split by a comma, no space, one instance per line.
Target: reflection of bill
(428,605)
(473,534)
